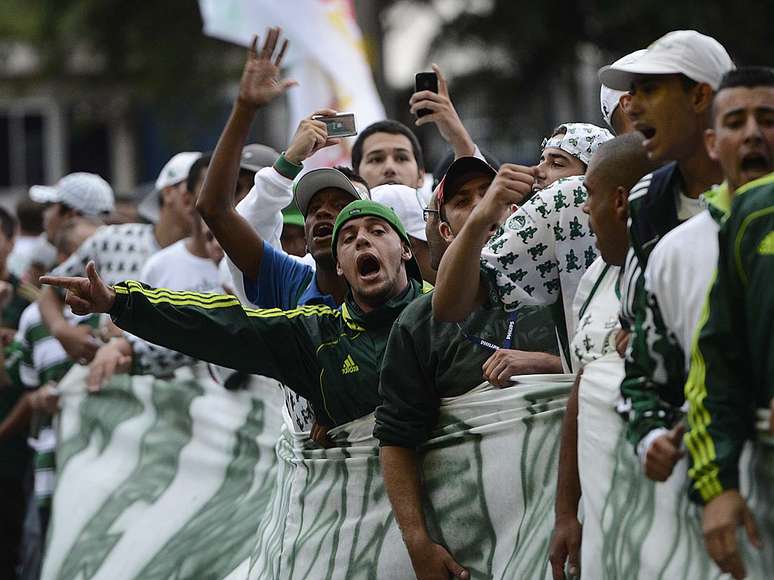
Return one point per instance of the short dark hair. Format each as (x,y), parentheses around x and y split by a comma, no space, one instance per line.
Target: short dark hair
(352,175)
(393,128)
(747,76)
(30,216)
(199,166)
(7,223)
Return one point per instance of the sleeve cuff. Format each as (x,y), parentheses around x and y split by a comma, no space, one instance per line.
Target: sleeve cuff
(117,310)
(286,168)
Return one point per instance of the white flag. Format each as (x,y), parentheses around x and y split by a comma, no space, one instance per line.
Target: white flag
(326,56)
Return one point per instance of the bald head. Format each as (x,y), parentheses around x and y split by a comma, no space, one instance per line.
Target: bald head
(614,169)
(622,161)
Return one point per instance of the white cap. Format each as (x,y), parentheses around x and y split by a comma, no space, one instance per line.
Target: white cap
(404,201)
(86,193)
(609,98)
(699,57)
(176,169)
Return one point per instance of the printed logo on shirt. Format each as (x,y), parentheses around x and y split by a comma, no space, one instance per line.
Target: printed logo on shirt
(766,248)
(349,366)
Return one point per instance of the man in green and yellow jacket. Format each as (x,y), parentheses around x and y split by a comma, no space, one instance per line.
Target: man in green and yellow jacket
(731,378)
(329,356)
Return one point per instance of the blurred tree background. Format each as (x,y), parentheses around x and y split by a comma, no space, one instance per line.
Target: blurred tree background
(535,62)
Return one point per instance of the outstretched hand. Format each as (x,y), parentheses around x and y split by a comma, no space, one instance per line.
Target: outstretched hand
(260,82)
(84,295)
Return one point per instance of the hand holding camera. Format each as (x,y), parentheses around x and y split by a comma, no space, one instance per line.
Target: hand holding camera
(311,136)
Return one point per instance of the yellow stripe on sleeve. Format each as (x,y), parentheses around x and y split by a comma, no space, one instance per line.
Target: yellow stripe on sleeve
(698,440)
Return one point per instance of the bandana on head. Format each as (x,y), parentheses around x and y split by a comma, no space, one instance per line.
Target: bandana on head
(580,140)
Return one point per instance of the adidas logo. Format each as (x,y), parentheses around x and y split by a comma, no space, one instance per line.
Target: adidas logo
(766,248)
(349,366)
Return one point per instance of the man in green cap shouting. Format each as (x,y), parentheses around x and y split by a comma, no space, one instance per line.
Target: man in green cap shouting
(329,356)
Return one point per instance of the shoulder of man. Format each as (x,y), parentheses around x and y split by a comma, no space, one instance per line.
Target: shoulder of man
(652,209)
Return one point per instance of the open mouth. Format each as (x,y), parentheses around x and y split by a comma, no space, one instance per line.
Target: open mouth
(368,265)
(756,162)
(322,230)
(647,131)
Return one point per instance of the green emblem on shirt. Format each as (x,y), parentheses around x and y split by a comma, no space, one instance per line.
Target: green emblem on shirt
(576,229)
(349,366)
(766,247)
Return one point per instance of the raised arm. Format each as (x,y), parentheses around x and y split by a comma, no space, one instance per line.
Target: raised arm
(444,115)
(260,84)
(458,287)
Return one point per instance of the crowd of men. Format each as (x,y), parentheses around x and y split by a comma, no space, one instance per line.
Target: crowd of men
(638,257)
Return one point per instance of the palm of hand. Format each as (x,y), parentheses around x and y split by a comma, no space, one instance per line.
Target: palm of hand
(260,78)
(260,82)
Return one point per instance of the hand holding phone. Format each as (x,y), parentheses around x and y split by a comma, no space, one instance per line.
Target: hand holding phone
(425,81)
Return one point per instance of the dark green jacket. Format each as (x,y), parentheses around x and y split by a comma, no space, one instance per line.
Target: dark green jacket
(655,367)
(329,356)
(427,360)
(732,363)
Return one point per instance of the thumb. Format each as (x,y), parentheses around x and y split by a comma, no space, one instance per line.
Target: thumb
(456,570)
(676,434)
(288,84)
(91,272)
(573,563)
(752,528)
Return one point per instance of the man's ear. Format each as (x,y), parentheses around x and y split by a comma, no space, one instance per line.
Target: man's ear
(702,98)
(621,203)
(446,232)
(339,271)
(710,139)
(406,252)
(420,178)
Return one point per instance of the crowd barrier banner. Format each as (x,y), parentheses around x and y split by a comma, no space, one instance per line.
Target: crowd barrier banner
(490,474)
(640,529)
(161,480)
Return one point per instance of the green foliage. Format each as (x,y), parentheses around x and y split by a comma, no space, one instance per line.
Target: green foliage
(151,49)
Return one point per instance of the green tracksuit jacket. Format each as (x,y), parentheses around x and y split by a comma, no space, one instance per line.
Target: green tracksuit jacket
(732,363)
(329,356)
(427,360)
(655,366)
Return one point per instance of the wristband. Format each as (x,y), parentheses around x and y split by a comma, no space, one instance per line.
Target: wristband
(286,168)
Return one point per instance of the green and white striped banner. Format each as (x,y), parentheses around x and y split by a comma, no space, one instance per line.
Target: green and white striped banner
(635,528)
(161,480)
(489,470)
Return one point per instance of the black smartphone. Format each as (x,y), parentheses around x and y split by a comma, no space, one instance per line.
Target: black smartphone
(341,125)
(425,81)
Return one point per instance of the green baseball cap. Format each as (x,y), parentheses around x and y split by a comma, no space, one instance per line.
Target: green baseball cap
(366,207)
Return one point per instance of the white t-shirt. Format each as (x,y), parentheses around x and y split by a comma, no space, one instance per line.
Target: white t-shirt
(687,207)
(596,308)
(176,268)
